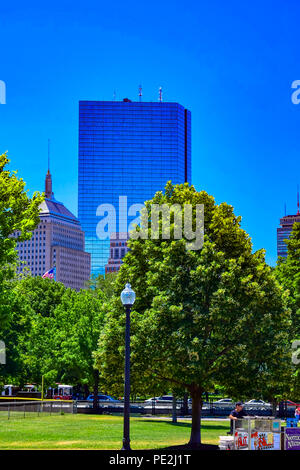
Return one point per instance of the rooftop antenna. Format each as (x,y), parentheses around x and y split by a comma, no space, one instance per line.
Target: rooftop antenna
(49,156)
(48,180)
(160,94)
(114,95)
(140,93)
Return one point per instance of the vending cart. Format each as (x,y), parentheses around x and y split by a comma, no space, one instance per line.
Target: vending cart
(257,433)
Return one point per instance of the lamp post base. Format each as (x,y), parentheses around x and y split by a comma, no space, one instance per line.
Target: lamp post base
(126,445)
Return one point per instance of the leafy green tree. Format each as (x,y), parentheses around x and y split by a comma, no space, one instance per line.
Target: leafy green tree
(13,335)
(288,274)
(40,297)
(78,321)
(54,333)
(202,318)
(105,284)
(43,294)
(28,336)
(269,379)
(18,213)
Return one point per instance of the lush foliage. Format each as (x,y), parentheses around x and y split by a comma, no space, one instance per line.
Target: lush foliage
(105,284)
(213,317)
(288,274)
(18,213)
(54,333)
(205,317)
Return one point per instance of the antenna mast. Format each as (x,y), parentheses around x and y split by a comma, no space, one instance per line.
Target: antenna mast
(160,94)
(48,180)
(48,156)
(140,93)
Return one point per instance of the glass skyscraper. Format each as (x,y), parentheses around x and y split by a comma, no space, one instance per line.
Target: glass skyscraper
(284,232)
(127,151)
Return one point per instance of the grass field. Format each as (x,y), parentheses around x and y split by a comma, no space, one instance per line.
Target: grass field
(100,432)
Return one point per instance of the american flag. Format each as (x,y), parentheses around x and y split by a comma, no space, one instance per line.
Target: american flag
(51,274)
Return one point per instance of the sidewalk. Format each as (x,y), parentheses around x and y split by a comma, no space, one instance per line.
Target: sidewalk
(182,418)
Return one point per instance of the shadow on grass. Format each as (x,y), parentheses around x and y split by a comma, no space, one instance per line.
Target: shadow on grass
(185,447)
(212,427)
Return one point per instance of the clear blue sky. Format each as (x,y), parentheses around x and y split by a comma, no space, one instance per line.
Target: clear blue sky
(231,63)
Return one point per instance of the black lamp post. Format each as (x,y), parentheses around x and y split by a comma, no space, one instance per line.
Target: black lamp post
(127,298)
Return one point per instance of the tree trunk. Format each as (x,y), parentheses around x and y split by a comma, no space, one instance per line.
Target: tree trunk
(86,391)
(195,439)
(96,389)
(185,410)
(274,408)
(174,410)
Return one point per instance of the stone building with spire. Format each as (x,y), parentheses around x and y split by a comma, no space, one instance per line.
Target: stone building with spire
(57,241)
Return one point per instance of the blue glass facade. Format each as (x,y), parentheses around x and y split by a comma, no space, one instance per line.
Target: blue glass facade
(128,149)
(284,233)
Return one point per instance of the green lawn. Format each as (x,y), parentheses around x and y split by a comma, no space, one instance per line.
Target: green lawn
(99,432)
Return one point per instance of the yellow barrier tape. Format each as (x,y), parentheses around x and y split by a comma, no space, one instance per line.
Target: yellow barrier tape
(3,397)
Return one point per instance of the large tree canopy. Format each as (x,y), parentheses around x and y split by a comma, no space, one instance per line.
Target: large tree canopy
(53,334)
(78,322)
(40,299)
(213,316)
(288,274)
(18,213)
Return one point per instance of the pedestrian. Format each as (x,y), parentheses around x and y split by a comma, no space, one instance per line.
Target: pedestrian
(237,413)
(297,413)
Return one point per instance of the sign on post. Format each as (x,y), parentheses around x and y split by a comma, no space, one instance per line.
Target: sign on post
(292,439)
(264,440)
(241,440)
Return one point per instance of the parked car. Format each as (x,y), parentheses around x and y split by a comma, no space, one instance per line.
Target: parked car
(257,403)
(104,398)
(162,399)
(151,400)
(224,401)
(165,399)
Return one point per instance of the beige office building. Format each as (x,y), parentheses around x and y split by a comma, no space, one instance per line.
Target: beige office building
(118,249)
(57,241)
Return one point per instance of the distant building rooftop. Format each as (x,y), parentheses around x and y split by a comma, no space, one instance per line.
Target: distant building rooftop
(57,209)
